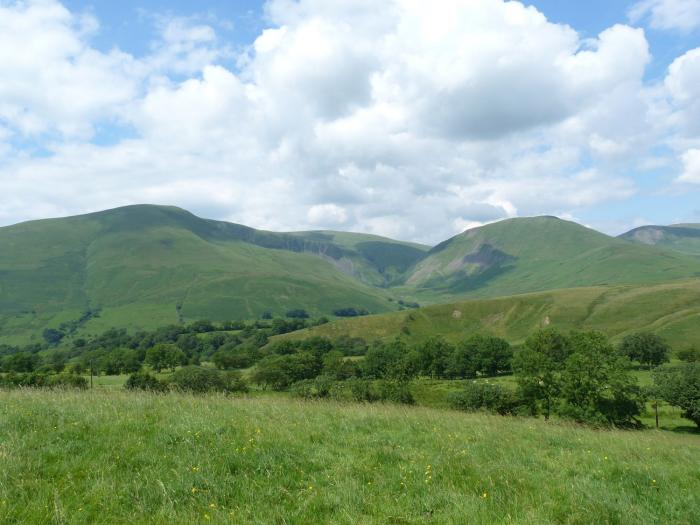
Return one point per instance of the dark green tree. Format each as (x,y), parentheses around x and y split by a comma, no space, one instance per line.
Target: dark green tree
(646,348)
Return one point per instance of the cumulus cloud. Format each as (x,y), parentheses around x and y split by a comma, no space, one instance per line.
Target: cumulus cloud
(683,15)
(51,80)
(401,118)
(691,167)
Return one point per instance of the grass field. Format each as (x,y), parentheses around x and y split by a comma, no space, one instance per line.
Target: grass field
(116,457)
(671,310)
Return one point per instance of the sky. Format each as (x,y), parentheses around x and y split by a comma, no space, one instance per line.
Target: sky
(405,118)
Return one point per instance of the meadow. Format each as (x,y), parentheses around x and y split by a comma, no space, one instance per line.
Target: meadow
(110,456)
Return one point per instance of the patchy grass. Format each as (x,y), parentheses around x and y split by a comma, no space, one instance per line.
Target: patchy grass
(119,457)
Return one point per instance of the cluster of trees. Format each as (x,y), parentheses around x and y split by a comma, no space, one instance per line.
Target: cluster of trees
(42,380)
(117,352)
(318,367)
(192,379)
(350,312)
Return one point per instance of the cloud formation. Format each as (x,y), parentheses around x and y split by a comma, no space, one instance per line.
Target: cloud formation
(681,15)
(402,118)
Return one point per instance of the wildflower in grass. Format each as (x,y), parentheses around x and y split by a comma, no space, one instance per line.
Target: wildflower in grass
(485,495)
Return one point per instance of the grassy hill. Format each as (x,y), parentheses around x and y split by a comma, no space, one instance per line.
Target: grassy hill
(541,253)
(144,266)
(115,457)
(671,310)
(141,267)
(684,238)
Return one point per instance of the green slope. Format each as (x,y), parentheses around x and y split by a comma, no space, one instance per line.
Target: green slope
(117,457)
(684,238)
(541,253)
(671,310)
(143,266)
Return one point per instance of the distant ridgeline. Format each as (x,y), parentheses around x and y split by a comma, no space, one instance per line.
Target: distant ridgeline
(144,266)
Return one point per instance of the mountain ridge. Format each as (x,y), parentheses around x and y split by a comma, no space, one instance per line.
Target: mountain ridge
(143,266)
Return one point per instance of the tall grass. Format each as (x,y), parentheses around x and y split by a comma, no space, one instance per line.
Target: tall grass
(119,457)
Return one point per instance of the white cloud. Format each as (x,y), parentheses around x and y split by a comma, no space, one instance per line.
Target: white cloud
(327,214)
(51,81)
(400,118)
(683,86)
(683,15)
(691,167)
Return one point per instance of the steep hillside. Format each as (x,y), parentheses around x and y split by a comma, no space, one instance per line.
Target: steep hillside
(684,238)
(373,259)
(142,266)
(670,310)
(541,253)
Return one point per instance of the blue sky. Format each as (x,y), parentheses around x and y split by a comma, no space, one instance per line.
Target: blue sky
(384,117)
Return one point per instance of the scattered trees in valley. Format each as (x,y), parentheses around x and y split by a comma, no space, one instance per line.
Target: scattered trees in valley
(579,376)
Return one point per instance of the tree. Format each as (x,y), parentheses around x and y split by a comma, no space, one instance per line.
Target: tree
(21,362)
(539,365)
(297,314)
(145,381)
(53,336)
(337,367)
(435,356)
(680,386)
(484,355)
(164,355)
(646,348)
(280,371)
(595,386)
(228,358)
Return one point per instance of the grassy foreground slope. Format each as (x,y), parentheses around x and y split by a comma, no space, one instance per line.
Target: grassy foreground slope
(683,238)
(670,310)
(130,458)
(542,253)
(145,266)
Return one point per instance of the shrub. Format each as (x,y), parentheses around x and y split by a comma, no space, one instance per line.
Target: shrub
(145,381)
(395,392)
(280,371)
(297,314)
(200,380)
(485,396)
(350,312)
(230,359)
(37,380)
(312,388)
(370,391)
(689,355)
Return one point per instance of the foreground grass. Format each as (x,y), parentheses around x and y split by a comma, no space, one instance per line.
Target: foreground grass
(116,457)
